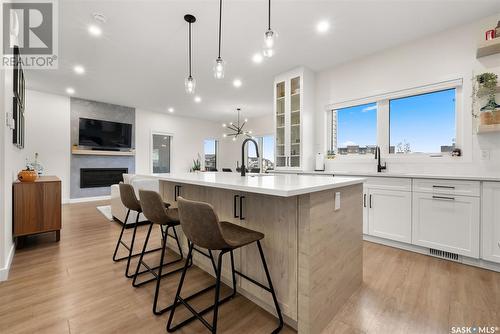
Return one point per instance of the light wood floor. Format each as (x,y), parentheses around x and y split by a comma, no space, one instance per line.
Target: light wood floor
(74,287)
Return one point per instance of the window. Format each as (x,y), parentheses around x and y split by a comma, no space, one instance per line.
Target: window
(354,129)
(267,153)
(420,120)
(210,154)
(160,154)
(423,123)
(266,160)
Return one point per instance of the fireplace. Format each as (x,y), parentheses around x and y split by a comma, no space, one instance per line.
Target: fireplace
(101,177)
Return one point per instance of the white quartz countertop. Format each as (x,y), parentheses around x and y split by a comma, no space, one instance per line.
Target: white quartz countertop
(395,174)
(269,184)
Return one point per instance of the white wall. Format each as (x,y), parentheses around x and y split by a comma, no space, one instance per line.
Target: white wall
(48,133)
(3,129)
(188,136)
(444,56)
(13,162)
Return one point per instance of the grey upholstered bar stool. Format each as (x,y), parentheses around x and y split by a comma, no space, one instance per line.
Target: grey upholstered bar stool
(203,229)
(155,211)
(129,200)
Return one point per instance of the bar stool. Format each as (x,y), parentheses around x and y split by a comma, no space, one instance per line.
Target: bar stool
(203,228)
(129,200)
(157,214)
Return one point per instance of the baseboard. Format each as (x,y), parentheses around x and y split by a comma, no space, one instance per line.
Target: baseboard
(425,251)
(4,272)
(89,199)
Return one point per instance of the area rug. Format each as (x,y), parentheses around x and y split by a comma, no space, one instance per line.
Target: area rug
(106,211)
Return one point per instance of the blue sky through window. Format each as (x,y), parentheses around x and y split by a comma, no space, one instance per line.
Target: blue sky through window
(357,126)
(424,122)
(209,146)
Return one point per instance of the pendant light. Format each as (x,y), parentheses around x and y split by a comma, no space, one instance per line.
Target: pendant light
(190,82)
(269,37)
(219,63)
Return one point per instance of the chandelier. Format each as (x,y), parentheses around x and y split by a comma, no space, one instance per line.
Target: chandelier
(236,129)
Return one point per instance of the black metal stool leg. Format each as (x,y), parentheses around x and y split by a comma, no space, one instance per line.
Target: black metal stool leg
(178,243)
(271,288)
(158,278)
(131,248)
(142,254)
(179,288)
(217,293)
(120,239)
(233,272)
(151,269)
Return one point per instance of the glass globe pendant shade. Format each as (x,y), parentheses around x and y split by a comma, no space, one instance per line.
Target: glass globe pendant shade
(219,68)
(190,85)
(269,40)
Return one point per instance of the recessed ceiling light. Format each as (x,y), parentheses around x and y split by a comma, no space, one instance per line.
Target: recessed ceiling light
(170,109)
(70,91)
(322,26)
(94,30)
(257,58)
(79,69)
(197,99)
(237,83)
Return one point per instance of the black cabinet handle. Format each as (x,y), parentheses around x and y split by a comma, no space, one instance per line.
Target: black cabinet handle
(444,198)
(370,201)
(241,207)
(445,187)
(234,206)
(364,200)
(177,192)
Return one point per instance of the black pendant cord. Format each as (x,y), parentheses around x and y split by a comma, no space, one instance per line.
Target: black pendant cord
(220,25)
(190,49)
(269,16)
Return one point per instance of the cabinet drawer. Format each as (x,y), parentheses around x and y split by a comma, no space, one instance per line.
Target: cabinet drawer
(448,223)
(388,183)
(448,187)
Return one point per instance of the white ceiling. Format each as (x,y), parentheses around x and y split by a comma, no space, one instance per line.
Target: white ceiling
(141,58)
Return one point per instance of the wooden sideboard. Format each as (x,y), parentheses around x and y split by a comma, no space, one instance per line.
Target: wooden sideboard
(37,207)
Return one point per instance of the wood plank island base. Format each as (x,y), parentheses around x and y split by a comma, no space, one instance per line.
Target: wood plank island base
(313,237)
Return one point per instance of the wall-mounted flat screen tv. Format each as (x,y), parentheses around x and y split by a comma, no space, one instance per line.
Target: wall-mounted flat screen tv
(104,134)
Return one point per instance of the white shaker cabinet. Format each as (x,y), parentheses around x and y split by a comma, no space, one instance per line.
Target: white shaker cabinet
(389,214)
(387,208)
(491,222)
(446,222)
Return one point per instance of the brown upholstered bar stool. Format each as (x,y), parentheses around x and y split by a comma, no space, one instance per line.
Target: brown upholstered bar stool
(203,229)
(157,214)
(129,200)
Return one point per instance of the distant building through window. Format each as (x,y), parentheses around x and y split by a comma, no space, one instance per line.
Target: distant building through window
(210,149)
(266,160)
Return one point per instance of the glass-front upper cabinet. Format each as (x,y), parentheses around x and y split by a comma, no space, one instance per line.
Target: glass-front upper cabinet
(294,160)
(281,157)
(294,115)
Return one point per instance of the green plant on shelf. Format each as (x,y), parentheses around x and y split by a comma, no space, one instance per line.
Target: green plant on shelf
(487,85)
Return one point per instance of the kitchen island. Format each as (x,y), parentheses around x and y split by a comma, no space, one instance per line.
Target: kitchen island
(313,237)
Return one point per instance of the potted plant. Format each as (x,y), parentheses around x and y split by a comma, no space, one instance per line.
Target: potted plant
(490,113)
(196,164)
